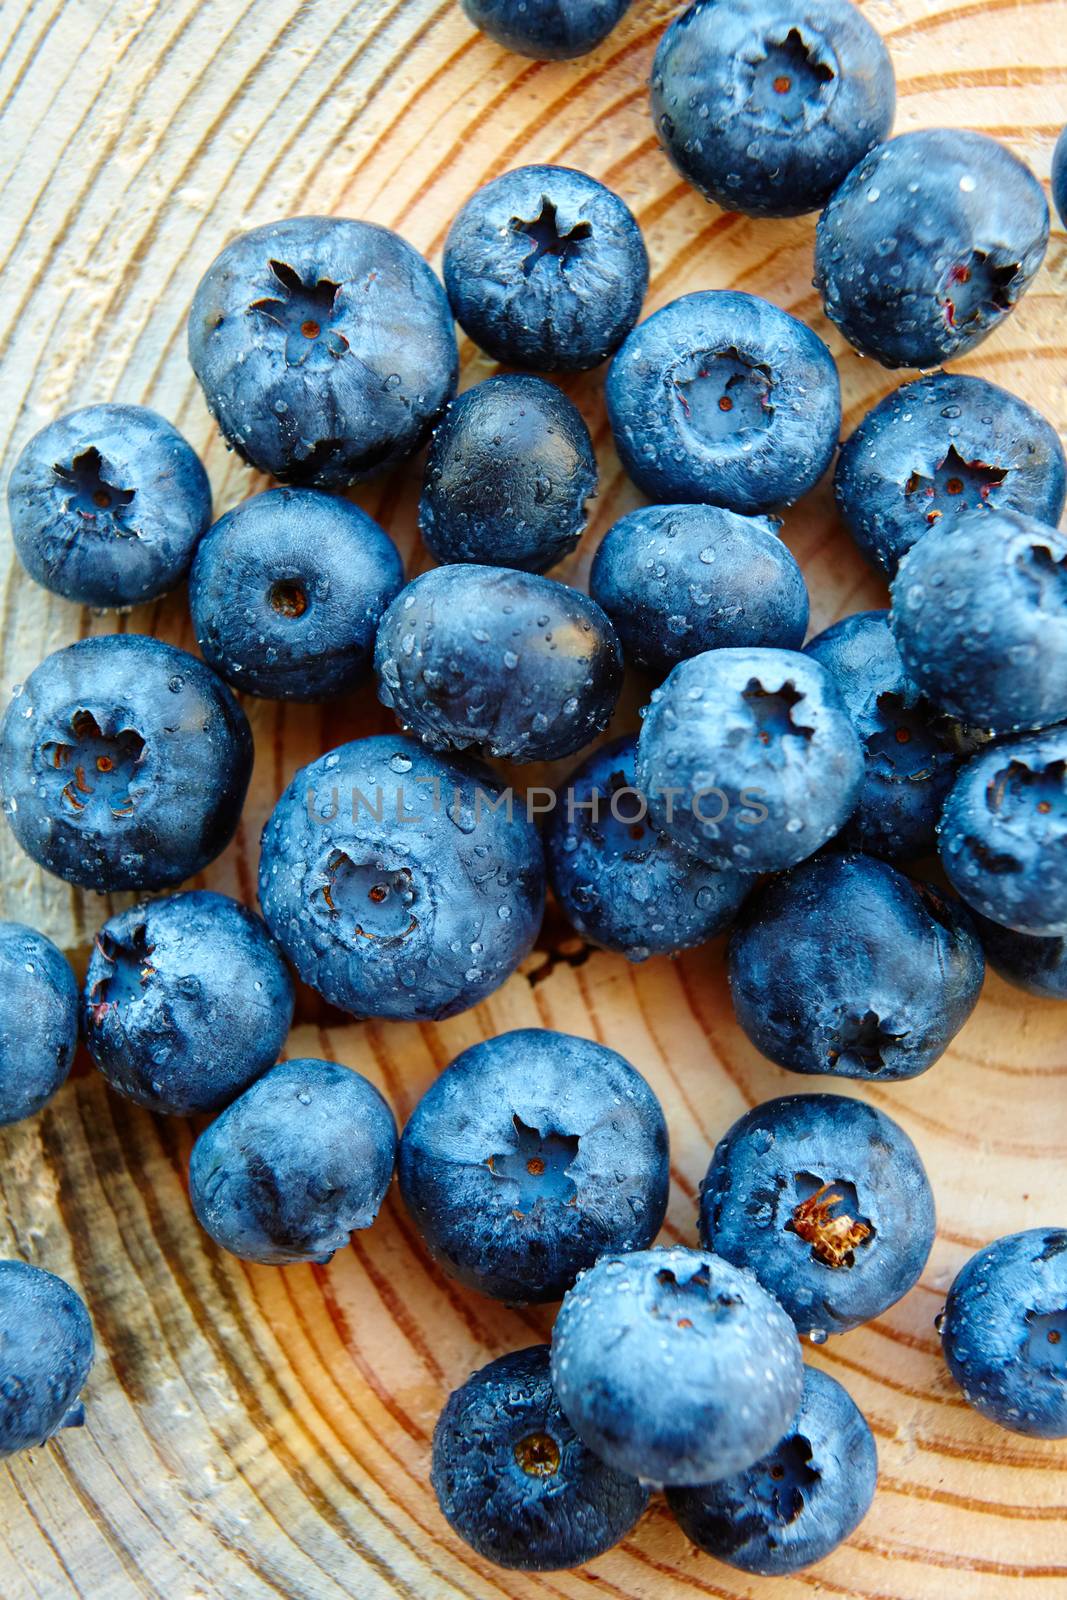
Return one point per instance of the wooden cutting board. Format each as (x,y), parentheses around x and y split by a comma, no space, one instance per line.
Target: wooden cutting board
(256,1433)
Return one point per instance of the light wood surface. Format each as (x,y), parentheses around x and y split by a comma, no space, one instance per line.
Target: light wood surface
(256,1433)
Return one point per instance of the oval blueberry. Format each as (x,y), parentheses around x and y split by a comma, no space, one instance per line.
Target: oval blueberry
(547,30)
(1025,959)
(46,1355)
(39,1022)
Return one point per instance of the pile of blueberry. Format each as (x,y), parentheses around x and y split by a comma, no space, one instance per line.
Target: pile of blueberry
(780,790)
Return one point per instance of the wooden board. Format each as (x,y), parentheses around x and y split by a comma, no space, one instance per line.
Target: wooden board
(256,1433)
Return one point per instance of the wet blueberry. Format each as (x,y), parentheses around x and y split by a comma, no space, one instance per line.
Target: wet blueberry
(39,1023)
(46,1354)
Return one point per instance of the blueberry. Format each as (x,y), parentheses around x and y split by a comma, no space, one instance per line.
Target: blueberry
(1003,833)
(1025,959)
(106,505)
(800,1500)
(1004,1332)
(909,760)
(980,618)
(398,883)
(521,666)
(928,244)
(513,1478)
(510,469)
(324,347)
(882,972)
(547,30)
(677,580)
(46,1353)
(123,763)
(623,885)
(936,448)
(675,1366)
(531,1155)
(720,396)
(295,1165)
(826,1200)
(1059,175)
(766,105)
(748,758)
(287,591)
(186,1002)
(546,268)
(39,1023)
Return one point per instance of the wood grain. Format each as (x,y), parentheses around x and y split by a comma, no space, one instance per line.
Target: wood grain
(257,1433)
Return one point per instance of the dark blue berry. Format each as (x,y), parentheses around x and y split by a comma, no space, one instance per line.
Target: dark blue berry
(826,1200)
(1059,175)
(123,763)
(46,1353)
(547,30)
(324,347)
(510,469)
(766,105)
(1025,959)
(39,1023)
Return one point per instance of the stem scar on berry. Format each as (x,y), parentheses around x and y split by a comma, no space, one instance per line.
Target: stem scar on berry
(538,1455)
(833,1239)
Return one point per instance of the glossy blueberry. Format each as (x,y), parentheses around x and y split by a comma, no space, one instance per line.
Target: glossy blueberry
(547,30)
(1059,175)
(515,1481)
(1004,1332)
(46,1353)
(287,591)
(675,1366)
(296,1165)
(766,105)
(936,448)
(324,347)
(928,244)
(531,1155)
(799,1501)
(38,1021)
(748,758)
(520,666)
(106,505)
(510,469)
(186,1002)
(396,881)
(722,397)
(826,1200)
(1026,960)
(909,763)
(1003,833)
(881,973)
(622,884)
(546,268)
(979,615)
(677,580)
(123,763)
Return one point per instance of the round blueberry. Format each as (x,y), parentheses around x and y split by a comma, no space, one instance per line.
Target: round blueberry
(677,580)
(936,448)
(39,1023)
(521,666)
(928,244)
(398,883)
(324,347)
(123,763)
(675,1366)
(546,268)
(909,762)
(531,1155)
(882,972)
(1059,175)
(516,1482)
(622,884)
(46,1354)
(766,105)
(800,1500)
(287,591)
(1026,960)
(980,619)
(720,396)
(1004,1332)
(1003,833)
(295,1166)
(826,1200)
(748,758)
(186,1002)
(547,30)
(510,469)
(107,504)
